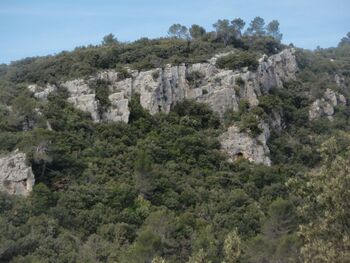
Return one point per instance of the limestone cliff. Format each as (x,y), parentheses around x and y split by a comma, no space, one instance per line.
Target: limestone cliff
(161,88)
(16,177)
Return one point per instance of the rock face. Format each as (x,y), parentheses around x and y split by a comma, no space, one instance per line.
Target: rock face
(41,92)
(162,88)
(16,177)
(325,105)
(82,97)
(239,144)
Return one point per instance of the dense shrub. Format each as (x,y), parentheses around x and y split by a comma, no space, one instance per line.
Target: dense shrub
(238,60)
(194,78)
(101,89)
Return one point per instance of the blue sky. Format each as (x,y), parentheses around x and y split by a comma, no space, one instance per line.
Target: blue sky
(42,27)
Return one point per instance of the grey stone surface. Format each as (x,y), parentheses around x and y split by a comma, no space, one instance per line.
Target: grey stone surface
(325,105)
(161,89)
(16,177)
(239,144)
(41,92)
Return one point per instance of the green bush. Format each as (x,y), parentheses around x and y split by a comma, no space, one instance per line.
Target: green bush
(101,89)
(194,79)
(155,75)
(239,81)
(269,103)
(238,60)
(123,73)
(250,123)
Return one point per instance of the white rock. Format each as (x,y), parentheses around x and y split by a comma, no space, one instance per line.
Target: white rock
(16,177)
(77,87)
(41,92)
(86,103)
(331,97)
(119,110)
(239,144)
(325,105)
(162,88)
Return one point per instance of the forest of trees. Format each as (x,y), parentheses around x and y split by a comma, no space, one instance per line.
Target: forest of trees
(158,189)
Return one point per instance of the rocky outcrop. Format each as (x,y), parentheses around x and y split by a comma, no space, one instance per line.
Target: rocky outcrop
(239,144)
(160,89)
(16,177)
(325,105)
(221,89)
(82,97)
(119,109)
(41,92)
(340,81)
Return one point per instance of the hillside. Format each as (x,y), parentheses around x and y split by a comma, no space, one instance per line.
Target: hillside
(207,147)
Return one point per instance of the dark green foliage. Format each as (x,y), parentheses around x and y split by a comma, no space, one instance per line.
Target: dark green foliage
(238,60)
(101,93)
(194,78)
(273,30)
(178,31)
(201,114)
(123,73)
(250,123)
(269,103)
(240,81)
(248,118)
(224,31)
(155,75)
(109,40)
(345,40)
(103,187)
(266,44)
(196,31)
(256,27)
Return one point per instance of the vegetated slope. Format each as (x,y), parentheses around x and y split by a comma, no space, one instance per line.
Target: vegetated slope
(160,186)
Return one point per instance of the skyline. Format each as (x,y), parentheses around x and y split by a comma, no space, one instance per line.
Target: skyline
(37,27)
